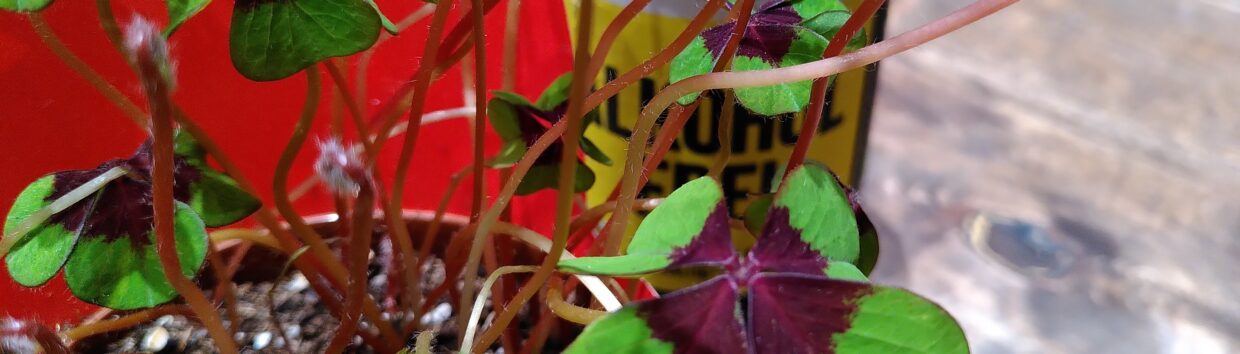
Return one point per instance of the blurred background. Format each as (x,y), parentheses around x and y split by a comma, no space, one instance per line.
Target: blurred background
(1064,176)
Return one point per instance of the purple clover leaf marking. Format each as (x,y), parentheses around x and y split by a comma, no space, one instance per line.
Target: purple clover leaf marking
(779,33)
(520,123)
(803,293)
(105,242)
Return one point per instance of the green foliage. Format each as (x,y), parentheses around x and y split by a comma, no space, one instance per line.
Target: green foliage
(115,273)
(670,227)
(24,5)
(892,320)
(216,197)
(780,33)
(180,11)
(98,225)
(519,123)
(271,40)
(36,258)
(621,332)
(819,209)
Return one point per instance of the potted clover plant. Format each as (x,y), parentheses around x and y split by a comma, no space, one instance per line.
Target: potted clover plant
(149,235)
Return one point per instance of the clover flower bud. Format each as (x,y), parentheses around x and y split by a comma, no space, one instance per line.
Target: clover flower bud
(339,167)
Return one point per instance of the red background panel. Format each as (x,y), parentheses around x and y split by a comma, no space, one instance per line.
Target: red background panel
(51,119)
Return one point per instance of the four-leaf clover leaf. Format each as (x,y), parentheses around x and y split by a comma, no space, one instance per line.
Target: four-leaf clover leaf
(804,295)
(779,33)
(519,123)
(106,242)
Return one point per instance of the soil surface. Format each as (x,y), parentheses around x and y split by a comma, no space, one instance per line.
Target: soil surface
(307,325)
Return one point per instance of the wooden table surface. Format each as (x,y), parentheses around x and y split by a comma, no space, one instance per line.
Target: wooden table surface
(1110,124)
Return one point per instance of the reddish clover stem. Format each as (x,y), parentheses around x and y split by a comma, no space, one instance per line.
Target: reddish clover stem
(336,273)
(480,96)
(355,110)
(818,93)
(265,217)
(363,61)
(695,26)
(224,290)
(568,167)
(512,20)
(393,208)
(419,84)
(127,321)
(725,135)
(359,252)
(151,59)
(84,70)
(480,101)
(620,217)
(612,32)
(807,71)
(555,131)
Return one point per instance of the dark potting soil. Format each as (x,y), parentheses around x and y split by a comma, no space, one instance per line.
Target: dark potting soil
(308,326)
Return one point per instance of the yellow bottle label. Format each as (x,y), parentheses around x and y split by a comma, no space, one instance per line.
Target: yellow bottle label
(760,144)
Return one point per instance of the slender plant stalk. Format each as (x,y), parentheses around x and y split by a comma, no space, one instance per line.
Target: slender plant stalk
(432,117)
(335,271)
(432,233)
(393,208)
(107,20)
(491,262)
(467,289)
(725,135)
(82,69)
(271,298)
(403,244)
(330,268)
(740,12)
(124,322)
(418,86)
(512,21)
(224,290)
(568,167)
(591,216)
(355,110)
(818,92)
(480,100)
(538,336)
(77,194)
(359,252)
(555,131)
(508,80)
(593,100)
(250,235)
(807,71)
(363,61)
(616,230)
(474,315)
(459,38)
(682,40)
(400,100)
(150,55)
(612,32)
(570,312)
